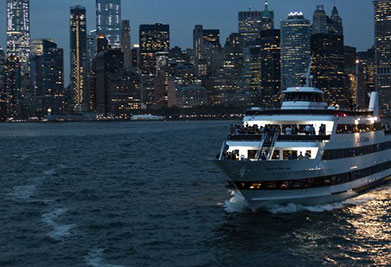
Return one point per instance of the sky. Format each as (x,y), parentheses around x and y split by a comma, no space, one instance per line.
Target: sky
(50,18)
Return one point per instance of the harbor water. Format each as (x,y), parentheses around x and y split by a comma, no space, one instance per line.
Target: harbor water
(148,194)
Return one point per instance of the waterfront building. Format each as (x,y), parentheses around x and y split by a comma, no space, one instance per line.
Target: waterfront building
(13,87)
(117,88)
(18,31)
(154,38)
(125,43)
(191,96)
(295,48)
(383,53)
(47,76)
(252,22)
(3,102)
(108,21)
(78,57)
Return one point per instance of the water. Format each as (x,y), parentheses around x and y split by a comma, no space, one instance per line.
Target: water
(147,194)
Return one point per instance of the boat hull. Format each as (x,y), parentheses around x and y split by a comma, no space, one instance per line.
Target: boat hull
(260,198)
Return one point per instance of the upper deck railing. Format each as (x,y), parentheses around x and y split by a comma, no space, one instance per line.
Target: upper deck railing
(309,112)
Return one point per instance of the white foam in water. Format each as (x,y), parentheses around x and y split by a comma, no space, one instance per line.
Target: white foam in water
(59,231)
(237,203)
(96,259)
(23,192)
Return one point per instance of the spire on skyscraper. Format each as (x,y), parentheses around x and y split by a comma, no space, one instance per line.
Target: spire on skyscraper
(266,12)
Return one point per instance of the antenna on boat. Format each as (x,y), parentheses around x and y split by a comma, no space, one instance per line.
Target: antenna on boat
(307,77)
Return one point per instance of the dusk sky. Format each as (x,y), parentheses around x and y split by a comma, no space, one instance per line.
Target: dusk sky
(50,18)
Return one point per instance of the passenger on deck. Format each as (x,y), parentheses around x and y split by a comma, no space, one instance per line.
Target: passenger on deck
(307,129)
(288,130)
(263,156)
(307,156)
(290,156)
(301,157)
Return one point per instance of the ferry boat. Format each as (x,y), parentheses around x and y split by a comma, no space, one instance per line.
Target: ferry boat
(306,152)
(146,118)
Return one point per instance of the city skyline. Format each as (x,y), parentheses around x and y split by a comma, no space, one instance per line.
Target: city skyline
(358,20)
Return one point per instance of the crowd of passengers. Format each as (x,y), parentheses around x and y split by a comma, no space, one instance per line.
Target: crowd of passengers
(272,129)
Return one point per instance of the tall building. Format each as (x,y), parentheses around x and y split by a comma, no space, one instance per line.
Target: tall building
(252,22)
(18,31)
(78,57)
(47,69)
(47,79)
(117,89)
(125,43)
(270,67)
(205,39)
(328,68)
(154,38)
(108,21)
(320,21)
(251,73)
(295,49)
(336,22)
(13,87)
(383,53)
(325,24)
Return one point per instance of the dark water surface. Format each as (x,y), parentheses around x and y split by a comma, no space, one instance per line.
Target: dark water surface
(147,194)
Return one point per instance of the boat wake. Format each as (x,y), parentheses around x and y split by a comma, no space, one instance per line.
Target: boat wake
(96,259)
(237,204)
(25,192)
(59,231)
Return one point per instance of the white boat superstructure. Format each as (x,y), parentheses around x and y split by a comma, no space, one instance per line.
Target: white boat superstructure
(306,152)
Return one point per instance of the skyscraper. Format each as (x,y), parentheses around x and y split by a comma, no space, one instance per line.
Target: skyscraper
(78,56)
(125,44)
(328,68)
(383,53)
(108,21)
(205,39)
(47,78)
(270,67)
(252,22)
(18,31)
(154,39)
(295,48)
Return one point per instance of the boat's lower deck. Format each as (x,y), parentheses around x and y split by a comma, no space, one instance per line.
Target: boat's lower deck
(265,198)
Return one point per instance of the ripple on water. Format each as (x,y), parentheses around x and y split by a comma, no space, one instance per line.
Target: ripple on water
(96,259)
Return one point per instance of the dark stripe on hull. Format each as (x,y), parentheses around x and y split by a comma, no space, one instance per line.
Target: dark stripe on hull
(315,182)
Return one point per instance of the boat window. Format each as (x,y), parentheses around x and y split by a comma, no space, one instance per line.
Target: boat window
(251,154)
(360,128)
(276,154)
(333,154)
(303,96)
